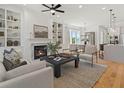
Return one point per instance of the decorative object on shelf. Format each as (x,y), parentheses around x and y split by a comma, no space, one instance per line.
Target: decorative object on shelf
(1,33)
(0,15)
(15,19)
(9,43)
(16,43)
(40,31)
(8,17)
(12,43)
(0,44)
(53,47)
(15,27)
(11,17)
(2,24)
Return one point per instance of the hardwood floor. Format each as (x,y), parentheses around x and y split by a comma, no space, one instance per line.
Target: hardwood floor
(113,77)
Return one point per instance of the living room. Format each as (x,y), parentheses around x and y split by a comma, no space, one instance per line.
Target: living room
(78,30)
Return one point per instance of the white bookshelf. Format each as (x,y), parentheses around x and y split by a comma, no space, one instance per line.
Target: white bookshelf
(10,28)
(2,27)
(57,32)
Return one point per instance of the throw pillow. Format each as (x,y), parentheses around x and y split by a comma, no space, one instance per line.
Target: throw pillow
(7,64)
(12,56)
(12,59)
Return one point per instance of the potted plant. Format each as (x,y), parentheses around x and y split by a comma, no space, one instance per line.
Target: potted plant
(53,48)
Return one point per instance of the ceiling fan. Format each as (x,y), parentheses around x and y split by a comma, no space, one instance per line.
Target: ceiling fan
(53,8)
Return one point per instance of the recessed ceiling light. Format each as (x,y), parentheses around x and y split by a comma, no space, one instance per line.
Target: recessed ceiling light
(25,4)
(103,8)
(80,6)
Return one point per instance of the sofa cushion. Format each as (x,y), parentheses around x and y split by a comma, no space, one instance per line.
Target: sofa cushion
(85,57)
(2,72)
(12,59)
(25,69)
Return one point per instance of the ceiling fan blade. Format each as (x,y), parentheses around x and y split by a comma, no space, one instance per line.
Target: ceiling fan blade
(60,11)
(57,6)
(46,6)
(45,10)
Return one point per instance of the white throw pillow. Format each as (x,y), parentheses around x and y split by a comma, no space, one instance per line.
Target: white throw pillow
(2,72)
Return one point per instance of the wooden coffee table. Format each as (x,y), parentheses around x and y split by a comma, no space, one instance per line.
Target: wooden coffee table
(57,64)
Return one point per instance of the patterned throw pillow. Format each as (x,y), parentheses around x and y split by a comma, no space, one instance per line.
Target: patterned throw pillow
(12,56)
(12,59)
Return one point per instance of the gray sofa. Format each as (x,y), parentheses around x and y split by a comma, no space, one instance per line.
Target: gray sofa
(33,75)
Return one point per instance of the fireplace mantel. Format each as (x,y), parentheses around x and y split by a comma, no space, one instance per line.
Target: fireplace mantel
(40,40)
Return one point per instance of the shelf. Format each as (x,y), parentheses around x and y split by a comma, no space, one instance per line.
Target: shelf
(14,46)
(12,21)
(2,19)
(12,29)
(13,37)
(2,28)
(2,37)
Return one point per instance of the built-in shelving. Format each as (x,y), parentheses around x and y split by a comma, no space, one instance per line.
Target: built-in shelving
(2,27)
(57,32)
(10,27)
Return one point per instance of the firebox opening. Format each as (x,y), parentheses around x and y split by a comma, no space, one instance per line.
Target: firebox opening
(40,51)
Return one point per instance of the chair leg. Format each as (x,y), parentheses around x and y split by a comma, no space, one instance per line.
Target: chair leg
(99,53)
(92,61)
(96,58)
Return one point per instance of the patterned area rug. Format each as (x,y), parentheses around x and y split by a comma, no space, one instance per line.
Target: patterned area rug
(83,77)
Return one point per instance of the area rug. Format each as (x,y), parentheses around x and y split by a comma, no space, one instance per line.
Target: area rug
(83,77)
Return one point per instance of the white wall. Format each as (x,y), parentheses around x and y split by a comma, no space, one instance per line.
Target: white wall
(32,17)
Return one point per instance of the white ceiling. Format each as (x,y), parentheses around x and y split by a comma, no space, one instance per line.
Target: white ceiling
(89,14)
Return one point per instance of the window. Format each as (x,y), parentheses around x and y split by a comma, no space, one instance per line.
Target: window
(74,36)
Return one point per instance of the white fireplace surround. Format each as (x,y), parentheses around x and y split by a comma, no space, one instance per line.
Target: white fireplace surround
(37,42)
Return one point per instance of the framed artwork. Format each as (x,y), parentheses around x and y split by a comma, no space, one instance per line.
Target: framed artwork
(40,31)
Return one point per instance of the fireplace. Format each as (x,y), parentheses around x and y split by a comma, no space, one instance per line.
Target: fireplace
(40,51)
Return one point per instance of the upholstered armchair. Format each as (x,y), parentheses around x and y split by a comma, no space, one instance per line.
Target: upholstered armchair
(73,48)
(89,54)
